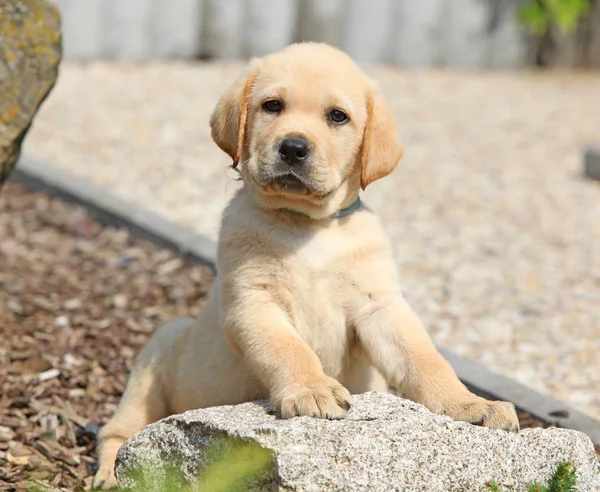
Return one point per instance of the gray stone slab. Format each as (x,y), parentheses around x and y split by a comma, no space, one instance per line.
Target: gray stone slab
(111,210)
(591,163)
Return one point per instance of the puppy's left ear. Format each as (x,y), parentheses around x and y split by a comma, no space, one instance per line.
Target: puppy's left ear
(380,148)
(229,118)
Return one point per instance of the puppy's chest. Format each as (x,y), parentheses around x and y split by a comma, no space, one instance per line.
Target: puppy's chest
(318,316)
(324,253)
(317,299)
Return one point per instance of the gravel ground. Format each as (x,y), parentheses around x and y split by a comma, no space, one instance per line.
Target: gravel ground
(77,302)
(497,236)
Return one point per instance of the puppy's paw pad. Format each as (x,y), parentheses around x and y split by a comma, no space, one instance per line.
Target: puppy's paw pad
(325,399)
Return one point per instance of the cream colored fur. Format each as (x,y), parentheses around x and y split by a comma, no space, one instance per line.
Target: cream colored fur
(305,310)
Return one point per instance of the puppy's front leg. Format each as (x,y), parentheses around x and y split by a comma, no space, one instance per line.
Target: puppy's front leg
(400,348)
(260,331)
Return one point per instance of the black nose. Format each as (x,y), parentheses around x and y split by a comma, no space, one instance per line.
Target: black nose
(294,150)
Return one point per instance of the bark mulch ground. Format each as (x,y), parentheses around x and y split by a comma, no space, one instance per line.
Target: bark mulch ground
(77,302)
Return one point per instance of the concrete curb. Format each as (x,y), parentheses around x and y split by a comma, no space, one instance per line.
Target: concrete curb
(111,210)
(495,386)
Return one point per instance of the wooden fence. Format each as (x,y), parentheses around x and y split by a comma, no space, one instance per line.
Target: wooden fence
(457,33)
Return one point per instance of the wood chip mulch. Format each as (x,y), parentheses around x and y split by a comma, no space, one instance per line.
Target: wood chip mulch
(77,302)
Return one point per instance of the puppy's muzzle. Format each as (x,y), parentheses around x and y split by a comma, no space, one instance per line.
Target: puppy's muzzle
(294,151)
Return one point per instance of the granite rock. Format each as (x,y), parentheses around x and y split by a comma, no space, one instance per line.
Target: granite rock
(384,443)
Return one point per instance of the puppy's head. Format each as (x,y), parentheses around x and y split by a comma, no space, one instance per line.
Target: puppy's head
(306,125)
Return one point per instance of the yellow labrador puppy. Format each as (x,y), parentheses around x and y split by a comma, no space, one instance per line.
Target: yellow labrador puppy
(306,308)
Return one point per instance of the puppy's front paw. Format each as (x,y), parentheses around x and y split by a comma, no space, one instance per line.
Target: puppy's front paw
(104,478)
(324,399)
(492,414)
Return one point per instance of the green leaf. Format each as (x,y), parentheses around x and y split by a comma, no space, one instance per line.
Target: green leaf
(566,14)
(533,16)
(537,15)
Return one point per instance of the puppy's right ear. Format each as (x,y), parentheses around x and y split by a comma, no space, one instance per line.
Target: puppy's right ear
(228,120)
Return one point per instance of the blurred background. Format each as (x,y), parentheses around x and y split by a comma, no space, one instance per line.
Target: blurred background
(496,229)
(452,33)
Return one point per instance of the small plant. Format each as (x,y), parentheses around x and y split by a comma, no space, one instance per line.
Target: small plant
(564,479)
(538,15)
(233,465)
(493,486)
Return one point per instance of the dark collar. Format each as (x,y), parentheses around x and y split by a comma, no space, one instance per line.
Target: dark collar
(340,214)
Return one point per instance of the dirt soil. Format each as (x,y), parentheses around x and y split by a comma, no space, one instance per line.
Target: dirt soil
(77,302)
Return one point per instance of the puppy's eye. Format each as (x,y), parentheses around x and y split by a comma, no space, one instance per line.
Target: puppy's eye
(273,106)
(338,117)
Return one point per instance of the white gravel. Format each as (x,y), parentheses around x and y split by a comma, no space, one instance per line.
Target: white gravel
(497,235)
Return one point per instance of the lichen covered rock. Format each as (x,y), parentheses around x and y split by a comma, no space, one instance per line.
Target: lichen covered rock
(30,51)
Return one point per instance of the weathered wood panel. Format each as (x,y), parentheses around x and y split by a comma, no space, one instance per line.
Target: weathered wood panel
(367,31)
(455,33)
(464,40)
(508,45)
(417,32)
(271,25)
(126,29)
(82,27)
(320,20)
(223,28)
(592,54)
(175,31)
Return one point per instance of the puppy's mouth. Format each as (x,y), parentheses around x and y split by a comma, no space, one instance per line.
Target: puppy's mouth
(290,183)
(287,183)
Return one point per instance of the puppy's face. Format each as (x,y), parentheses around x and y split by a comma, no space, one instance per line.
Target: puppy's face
(304,121)
(305,126)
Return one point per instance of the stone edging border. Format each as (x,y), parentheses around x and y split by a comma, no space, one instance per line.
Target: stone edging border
(111,210)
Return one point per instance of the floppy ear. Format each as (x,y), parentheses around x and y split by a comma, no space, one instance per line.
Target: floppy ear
(228,120)
(380,148)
